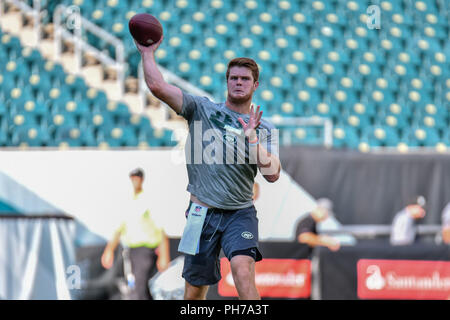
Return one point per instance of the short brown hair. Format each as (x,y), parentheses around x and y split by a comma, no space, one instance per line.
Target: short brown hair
(244,62)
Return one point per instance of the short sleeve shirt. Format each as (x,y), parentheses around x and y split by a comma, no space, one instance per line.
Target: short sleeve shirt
(140,227)
(307,224)
(220,168)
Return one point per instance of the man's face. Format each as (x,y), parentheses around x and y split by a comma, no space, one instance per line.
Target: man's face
(320,214)
(136,181)
(240,84)
(416,211)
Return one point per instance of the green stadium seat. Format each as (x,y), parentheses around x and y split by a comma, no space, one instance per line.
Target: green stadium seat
(102,16)
(225,29)
(380,135)
(213,83)
(120,112)
(4,140)
(32,136)
(3,110)
(357,121)
(58,97)
(118,137)
(165,137)
(77,85)
(187,31)
(185,5)
(101,121)
(188,69)
(11,44)
(19,96)
(19,120)
(74,137)
(78,109)
(86,6)
(15,68)
(7,84)
(32,107)
(55,70)
(32,56)
(426,120)
(422,136)
(305,136)
(40,83)
(97,99)
(57,120)
(148,5)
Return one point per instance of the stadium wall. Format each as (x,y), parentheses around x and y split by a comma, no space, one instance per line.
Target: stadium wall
(369,188)
(93,187)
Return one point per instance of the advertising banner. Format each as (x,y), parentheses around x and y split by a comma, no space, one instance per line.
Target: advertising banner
(403,279)
(275,278)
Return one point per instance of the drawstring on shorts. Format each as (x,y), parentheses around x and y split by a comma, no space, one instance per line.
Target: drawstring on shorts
(217,227)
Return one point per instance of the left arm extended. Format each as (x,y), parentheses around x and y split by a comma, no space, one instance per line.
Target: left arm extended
(268,164)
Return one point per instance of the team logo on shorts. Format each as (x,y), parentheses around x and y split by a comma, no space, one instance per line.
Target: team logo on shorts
(247,235)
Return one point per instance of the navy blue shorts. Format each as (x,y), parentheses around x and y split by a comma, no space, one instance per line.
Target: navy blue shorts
(230,230)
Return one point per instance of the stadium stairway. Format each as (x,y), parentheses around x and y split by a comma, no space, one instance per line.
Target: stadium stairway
(380,88)
(43,104)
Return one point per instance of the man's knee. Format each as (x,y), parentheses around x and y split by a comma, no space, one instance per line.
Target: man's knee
(242,268)
(192,292)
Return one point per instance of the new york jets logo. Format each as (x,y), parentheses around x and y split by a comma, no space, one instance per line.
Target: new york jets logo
(247,235)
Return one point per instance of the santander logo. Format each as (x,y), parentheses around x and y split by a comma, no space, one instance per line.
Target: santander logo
(375,281)
(403,279)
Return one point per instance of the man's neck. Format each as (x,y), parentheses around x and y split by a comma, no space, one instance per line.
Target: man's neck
(243,108)
(137,191)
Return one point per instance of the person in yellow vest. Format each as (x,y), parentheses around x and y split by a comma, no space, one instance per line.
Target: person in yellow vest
(141,233)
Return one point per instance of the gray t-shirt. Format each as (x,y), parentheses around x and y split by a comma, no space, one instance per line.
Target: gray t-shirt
(220,169)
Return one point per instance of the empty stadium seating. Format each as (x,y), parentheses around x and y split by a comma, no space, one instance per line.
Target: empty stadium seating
(317,58)
(42,105)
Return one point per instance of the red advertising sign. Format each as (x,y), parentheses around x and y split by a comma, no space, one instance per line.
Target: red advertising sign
(280,278)
(403,279)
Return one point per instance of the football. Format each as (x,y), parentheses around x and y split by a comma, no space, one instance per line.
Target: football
(145,29)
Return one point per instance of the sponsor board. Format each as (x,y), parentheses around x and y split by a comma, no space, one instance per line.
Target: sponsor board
(276,278)
(403,279)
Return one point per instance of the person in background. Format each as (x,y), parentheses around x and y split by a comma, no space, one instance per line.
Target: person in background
(307,233)
(142,234)
(404,225)
(446,224)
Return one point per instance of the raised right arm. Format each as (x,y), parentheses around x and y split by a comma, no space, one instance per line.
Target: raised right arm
(170,94)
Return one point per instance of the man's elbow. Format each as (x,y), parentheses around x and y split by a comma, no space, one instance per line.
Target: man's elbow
(272,178)
(155,89)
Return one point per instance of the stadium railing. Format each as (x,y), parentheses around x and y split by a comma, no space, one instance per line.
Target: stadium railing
(78,23)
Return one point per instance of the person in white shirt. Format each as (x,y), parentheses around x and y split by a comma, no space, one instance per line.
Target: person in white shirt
(404,229)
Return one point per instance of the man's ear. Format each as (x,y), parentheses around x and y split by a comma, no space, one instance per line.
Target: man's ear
(256,84)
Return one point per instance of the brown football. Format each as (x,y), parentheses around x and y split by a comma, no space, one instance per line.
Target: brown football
(145,28)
